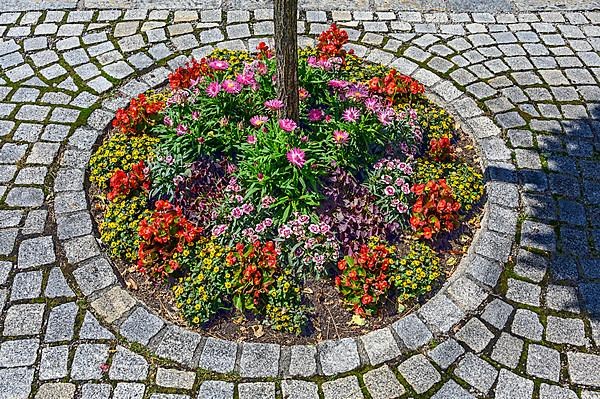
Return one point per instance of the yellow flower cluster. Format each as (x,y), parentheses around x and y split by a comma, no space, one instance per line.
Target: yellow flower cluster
(202,292)
(435,121)
(465,181)
(467,185)
(415,273)
(235,58)
(119,227)
(119,151)
(285,311)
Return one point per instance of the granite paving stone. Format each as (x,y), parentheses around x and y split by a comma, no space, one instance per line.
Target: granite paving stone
(419,373)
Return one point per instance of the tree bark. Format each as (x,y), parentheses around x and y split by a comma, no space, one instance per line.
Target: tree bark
(286,54)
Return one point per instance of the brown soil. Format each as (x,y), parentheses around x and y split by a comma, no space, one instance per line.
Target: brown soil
(329,320)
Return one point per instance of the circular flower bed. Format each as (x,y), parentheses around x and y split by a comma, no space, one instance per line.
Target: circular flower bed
(362,204)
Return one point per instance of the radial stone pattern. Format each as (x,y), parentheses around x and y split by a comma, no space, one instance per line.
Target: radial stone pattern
(521,319)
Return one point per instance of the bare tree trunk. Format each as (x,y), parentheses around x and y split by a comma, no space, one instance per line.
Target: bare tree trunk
(286,54)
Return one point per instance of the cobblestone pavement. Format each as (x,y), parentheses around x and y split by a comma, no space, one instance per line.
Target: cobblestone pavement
(536,336)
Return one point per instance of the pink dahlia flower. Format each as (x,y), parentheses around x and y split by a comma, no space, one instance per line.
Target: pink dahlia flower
(351,114)
(213,89)
(231,86)
(274,104)
(340,137)
(258,120)
(287,124)
(315,115)
(296,157)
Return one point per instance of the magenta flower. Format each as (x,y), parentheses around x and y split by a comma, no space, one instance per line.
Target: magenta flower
(251,139)
(247,79)
(218,65)
(389,190)
(267,201)
(285,231)
(314,228)
(231,86)
(315,115)
(386,116)
(287,124)
(340,137)
(258,120)
(219,229)
(181,130)
(213,89)
(168,121)
(402,208)
(351,114)
(237,212)
(296,157)
(372,104)
(195,115)
(274,105)
(338,84)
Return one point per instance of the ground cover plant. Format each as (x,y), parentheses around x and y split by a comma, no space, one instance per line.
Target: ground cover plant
(204,186)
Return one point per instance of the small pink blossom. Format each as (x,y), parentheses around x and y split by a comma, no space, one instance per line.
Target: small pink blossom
(267,201)
(340,136)
(351,114)
(372,104)
(338,84)
(287,124)
(213,89)
(314,228)
(251,139)
(237,212)
(386,116)
(315,115)
(303,219)
(231,86)
(195,115)
(181,130)
(324,227)
(168,121)
(389,190)
(402,208)
(247,208)
(285,231)
(219,229)
(274,104)
(258,120)
(218,65)
(296,157)
(405,189)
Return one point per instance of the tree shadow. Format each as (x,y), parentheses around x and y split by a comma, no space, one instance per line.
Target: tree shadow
(560,235)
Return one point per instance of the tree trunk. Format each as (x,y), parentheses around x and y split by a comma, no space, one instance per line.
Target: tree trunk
(286,54)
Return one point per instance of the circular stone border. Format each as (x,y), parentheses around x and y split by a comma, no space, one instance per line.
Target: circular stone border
(470,285)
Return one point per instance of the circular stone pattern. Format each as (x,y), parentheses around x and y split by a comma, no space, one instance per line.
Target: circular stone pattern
(464,292)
